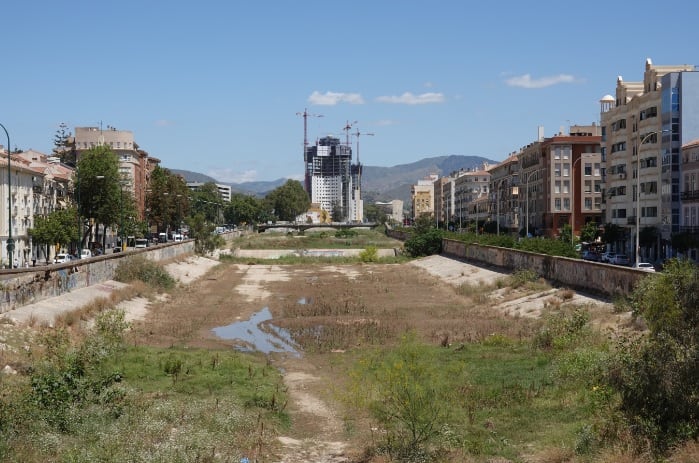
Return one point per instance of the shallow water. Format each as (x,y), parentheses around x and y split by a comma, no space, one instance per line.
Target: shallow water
(254,338)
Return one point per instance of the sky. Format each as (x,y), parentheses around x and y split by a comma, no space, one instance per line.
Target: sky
(217,87)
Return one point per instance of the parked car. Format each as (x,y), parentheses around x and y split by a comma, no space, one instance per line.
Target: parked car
(620,259)
(85,253)
(591,256)
(606,257)
(645,266)
(141,242)
(62,258)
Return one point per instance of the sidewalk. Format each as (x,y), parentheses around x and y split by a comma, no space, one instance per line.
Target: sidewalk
(45,311)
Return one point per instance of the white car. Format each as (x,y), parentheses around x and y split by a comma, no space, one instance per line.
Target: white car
(62,258)
(85,253)
(645,266)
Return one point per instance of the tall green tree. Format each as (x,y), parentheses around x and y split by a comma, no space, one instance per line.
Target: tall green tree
(63,146)
(243,209)
(56,229)
(207,200)
(288,201)
(102,195)
(167,200)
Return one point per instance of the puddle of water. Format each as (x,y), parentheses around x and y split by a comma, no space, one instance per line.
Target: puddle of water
(255,338)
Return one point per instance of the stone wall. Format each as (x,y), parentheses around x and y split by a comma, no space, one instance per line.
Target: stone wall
(19,287)
(604,279)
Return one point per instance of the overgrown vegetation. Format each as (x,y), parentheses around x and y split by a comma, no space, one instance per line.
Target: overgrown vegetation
(92,398)
(657,376)
(138,268)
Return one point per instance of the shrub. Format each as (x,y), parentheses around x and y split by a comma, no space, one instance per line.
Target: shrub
(425,243)
(138,268)
(369,254)
(346,233)
(656,376)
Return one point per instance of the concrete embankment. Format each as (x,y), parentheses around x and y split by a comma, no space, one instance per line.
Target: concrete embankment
(277,253)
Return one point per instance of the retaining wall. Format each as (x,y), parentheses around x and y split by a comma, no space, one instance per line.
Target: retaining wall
(19,287)
(596,277)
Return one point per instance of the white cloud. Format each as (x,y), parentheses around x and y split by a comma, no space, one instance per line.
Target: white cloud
(333,98)
(409,98)
(526,81)
(163,123)
(233,176)
(386,122)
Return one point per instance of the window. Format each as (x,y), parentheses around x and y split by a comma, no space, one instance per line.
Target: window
(588,204)
(557,204)
(598,187)
(597,169)
(566,204)
(557,152)
(557,187)
(557,169)
(588,169)
(588,186)
(566,187)
(566,170)
(649,212)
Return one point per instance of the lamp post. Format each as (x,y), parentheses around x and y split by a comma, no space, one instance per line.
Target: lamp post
(497,204)
(526,206)
(572,201)
(10,241)
(638,190)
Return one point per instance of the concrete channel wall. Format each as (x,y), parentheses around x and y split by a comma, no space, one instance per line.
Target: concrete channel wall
(595,277)
(23,286)
(603,279)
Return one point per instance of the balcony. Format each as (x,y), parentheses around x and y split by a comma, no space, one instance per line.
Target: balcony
(690,195)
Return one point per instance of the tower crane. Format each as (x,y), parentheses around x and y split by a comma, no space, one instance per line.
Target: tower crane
(305,116)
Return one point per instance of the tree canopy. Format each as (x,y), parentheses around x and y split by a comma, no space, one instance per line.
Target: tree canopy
(288,201)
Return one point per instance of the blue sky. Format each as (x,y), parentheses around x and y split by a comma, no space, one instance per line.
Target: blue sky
(215,86)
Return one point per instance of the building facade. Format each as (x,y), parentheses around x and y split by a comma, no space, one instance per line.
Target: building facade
(689,191)
(641,139)
(135,165)
(329,175)
(422,197)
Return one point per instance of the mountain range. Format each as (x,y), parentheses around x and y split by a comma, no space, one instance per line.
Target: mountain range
(378,183)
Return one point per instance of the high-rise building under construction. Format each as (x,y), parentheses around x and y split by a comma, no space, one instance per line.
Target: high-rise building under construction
(332,181)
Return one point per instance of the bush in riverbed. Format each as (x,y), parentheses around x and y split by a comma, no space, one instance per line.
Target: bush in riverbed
(138,268)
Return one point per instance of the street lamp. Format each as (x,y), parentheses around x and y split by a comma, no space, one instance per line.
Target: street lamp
(10,241)
(638,190)
(497,204)
(572,201)
(526,206)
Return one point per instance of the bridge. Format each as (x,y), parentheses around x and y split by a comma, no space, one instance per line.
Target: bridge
(307,226)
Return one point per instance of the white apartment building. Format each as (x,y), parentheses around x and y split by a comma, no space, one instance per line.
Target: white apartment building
(634,150)
(19,218)
(224,191)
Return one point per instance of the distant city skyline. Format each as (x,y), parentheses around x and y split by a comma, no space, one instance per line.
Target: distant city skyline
(216,88)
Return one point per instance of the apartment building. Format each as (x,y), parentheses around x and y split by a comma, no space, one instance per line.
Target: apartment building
(224,191)
(33,191)
(422,196)
(641,140)
(329,178)
(689,188)
(503,205)
(470,186)
(135,165)
(393,209)
(442,200)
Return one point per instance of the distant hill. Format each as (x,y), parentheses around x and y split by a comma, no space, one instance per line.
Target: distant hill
(257,188)
(378,183)
(387,183)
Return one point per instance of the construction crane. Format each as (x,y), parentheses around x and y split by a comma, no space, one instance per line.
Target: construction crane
(357,134)
(305,116)
(347,129)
